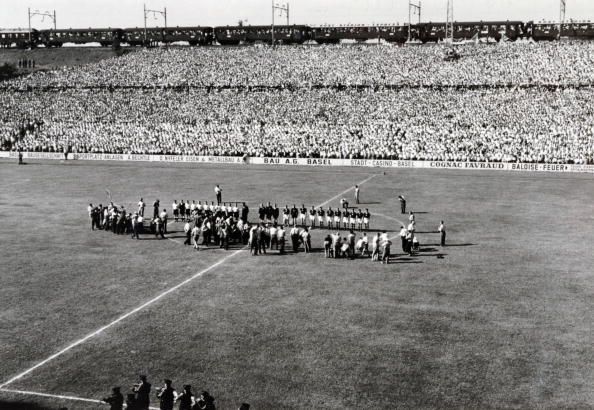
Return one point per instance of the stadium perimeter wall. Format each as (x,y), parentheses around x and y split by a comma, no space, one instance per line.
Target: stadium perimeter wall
(319,162)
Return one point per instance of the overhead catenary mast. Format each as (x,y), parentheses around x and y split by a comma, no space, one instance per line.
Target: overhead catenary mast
(43,15)
(562,5)
(282,8)
(413,8)
(449,34)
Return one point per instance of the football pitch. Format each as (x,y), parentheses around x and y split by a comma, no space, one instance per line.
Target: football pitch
(502,317)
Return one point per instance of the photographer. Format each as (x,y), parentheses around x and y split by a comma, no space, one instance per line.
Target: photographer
(166,396)
(116,400)
(142,390)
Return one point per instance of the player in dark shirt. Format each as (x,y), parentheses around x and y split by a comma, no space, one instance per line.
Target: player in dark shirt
(366,218)
(330,218)
(261,212)
(302,214)
(360,219)
(321,216)
(312,217)
(294,214)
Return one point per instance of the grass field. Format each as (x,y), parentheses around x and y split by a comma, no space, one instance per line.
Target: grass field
(52,58)
(503,320)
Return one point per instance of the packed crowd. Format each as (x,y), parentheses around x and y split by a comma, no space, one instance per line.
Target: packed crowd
(521,125)
(540,110)
(567,63)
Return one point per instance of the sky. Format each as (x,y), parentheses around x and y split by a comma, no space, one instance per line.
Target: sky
(129,13)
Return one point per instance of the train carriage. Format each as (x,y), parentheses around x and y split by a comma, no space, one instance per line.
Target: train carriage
(18,38)
(578,30)
(544,31)
(57,38)
(193,35)
(229,35)
(136,36)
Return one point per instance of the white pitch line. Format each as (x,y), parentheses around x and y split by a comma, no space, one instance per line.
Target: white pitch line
(59,396)
(144,305)
(118,320)
(390,218)
(345,191)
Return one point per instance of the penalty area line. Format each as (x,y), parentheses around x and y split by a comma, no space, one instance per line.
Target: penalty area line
(58,396)
(118,320)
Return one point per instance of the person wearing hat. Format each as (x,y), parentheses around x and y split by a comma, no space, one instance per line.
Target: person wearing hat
(116,400)
(186,399)
(166,396)
(142,390)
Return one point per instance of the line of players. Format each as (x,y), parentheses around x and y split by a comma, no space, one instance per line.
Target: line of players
(186,211)
(345,218)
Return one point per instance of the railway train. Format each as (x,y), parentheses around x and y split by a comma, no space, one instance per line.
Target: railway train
(296,34)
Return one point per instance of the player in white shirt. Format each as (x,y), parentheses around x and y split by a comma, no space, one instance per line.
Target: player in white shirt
(163,215)
(188,232)
(375,245)
(175,210)
(273,238)
(188,210)
(403,233)
(141,206)
(335,245)
(411,227)
(219,194)
(442,231)
(280,234)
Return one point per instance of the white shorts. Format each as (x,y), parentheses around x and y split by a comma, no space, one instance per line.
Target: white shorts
(337,219)
(328,219)
(320,218)
(302,216)
(285,217)
(352,221)
(359,220)
(345,220)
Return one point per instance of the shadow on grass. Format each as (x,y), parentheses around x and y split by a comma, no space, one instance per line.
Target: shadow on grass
(452,245)
(404,260)
(14,405)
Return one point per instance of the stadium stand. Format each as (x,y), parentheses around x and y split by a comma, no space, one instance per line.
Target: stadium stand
(514,102)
